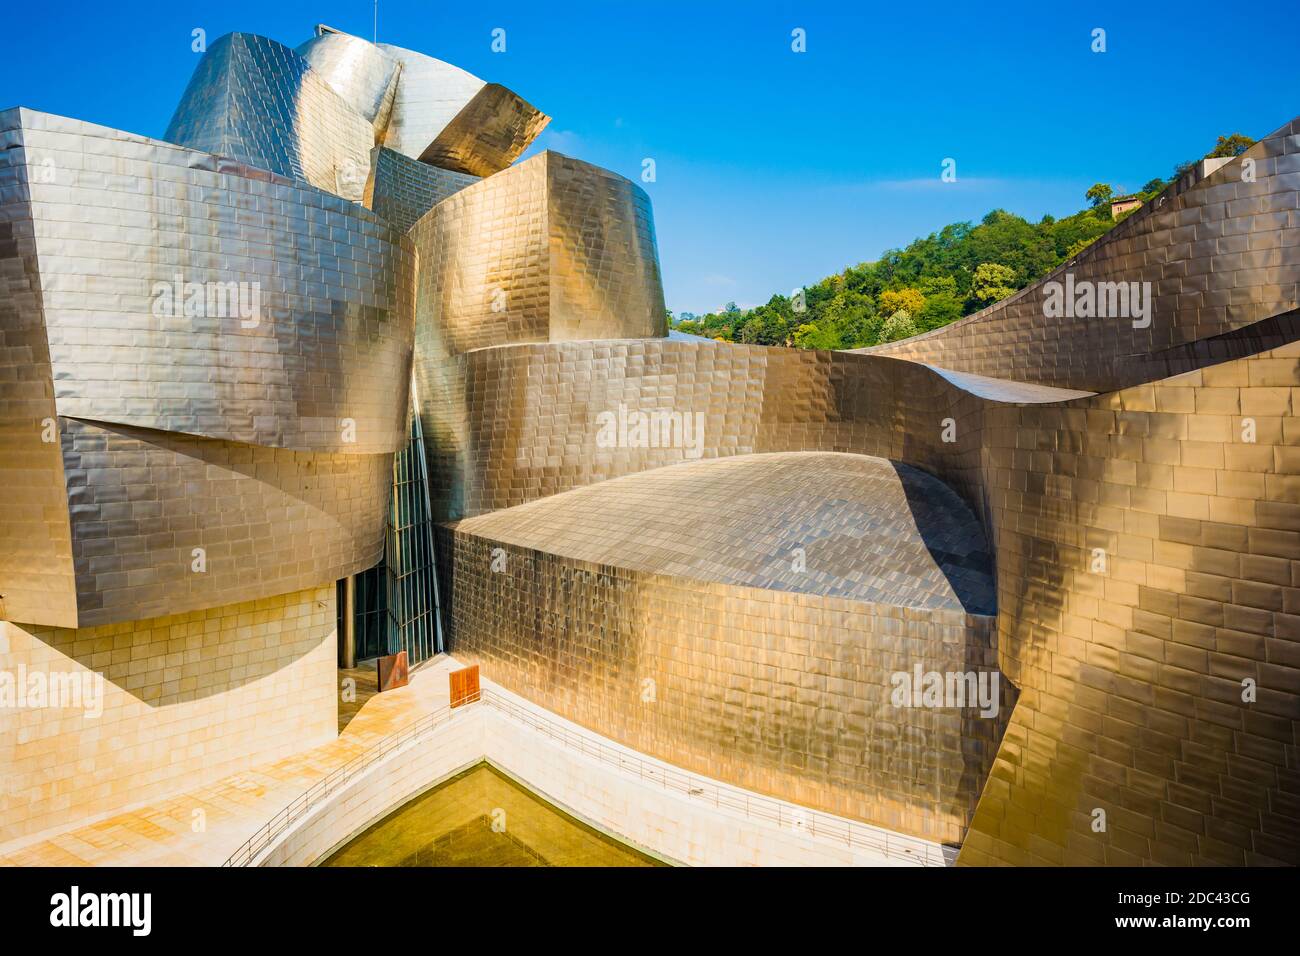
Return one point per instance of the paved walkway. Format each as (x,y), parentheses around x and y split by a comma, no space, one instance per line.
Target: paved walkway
(166,832)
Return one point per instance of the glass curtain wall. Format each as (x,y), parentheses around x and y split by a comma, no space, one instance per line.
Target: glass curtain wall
(397,600)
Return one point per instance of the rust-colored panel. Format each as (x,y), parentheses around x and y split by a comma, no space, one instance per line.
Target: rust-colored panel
(393,671)
(464,685)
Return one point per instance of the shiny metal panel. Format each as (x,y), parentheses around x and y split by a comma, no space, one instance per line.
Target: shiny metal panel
(260,103)
(126,220)
(1131,677)
(268,520)
(36,575)
(401,190)
(137,435)
(662,610)
(489,134)
(512,424)
(429,95)
(550,249)
(358,71)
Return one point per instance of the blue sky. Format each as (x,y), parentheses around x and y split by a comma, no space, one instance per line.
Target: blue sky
(774,168)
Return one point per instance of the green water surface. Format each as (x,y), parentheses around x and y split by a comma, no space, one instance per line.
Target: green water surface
(481,817)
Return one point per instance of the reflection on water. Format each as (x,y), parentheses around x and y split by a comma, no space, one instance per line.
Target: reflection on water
(483,818)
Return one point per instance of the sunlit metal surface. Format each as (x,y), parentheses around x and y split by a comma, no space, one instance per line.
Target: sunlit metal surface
(489,134)
(429,95)
(269,521)
(511,424)
(401,189)
(293,409)
(1145,540)
(260,103)
(669,610)
(1131,672)
(548,250)
(1130,675)
(1219,253)
(363,75)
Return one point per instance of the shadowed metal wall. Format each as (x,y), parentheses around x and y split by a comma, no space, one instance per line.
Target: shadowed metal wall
(670,611)
(401,189)
(1221,253)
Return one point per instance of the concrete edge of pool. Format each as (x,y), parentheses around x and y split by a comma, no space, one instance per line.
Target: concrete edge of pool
(485,816)
(646,804)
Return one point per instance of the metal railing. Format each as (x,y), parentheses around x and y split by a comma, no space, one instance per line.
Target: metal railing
(331,783)
(811,823)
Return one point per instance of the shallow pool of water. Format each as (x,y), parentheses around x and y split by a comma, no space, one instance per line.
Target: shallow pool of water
(483,818)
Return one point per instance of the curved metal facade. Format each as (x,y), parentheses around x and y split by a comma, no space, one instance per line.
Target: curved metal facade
(401,190)
(552,249)
(1134,489)
(215,353)
(429,95)
(488,134)
(260,103)
(671,611)
(358,71)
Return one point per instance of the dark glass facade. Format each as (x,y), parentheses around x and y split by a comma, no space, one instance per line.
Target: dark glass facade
(397,600)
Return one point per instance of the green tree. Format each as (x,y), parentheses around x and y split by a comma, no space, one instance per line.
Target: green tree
(816,336)
(1152,187)
(1233,145)
(1099,194)
(898,326)
(991,283)
(907,300)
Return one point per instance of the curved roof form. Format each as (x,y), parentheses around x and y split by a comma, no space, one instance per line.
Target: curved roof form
(260,103)
(356,70)
(869,529)
(489,134)
(430,94)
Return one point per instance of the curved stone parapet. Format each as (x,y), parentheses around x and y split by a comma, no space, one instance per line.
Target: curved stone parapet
(672,611)
(1209,256)
(552,249)
(260,103)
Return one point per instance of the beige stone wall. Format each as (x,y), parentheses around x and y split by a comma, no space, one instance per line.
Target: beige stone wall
(185,699)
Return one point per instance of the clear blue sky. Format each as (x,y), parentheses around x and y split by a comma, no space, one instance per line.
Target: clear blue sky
(773,168)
